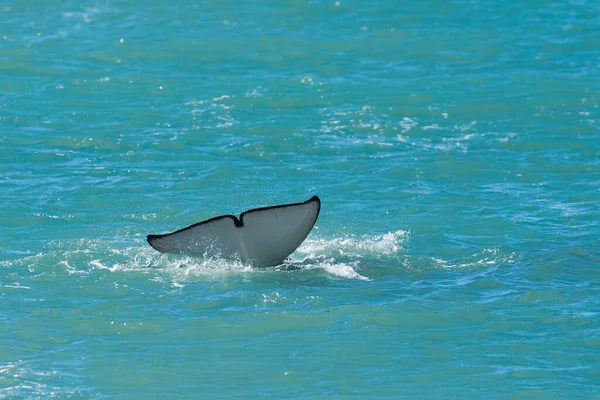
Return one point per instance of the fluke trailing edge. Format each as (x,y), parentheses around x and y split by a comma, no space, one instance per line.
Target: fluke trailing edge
(262,236)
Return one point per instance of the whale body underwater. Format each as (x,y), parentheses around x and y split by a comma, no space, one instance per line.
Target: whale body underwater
(262,237)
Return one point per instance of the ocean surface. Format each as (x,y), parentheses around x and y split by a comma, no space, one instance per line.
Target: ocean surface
(455,147)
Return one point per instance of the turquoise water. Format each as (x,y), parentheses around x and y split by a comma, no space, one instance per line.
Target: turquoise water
(455,147)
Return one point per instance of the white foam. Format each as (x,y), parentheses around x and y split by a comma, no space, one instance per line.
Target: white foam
(340,257)
(352,246)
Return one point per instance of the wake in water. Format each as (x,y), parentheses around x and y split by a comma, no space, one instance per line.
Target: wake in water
(338,258)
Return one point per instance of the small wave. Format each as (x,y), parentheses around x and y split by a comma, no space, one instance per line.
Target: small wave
(484,258)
